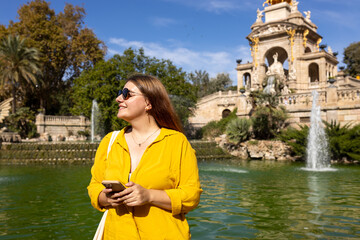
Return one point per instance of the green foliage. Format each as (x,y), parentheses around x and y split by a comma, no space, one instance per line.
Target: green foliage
(216,128)
(268,118)
(103,82)
(23,122)
(19,66)
(352,59)
(205,86)
(85,133)
(253,142)
(238,130)
(200,80)
(344,141)
(66,46)
(221,82)
(296,139)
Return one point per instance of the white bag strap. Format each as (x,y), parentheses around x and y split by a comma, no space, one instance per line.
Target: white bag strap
(112,140)
(100,230)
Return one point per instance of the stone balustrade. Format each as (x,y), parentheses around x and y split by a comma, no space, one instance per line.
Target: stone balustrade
(298,100)
(65,120)
(61,125)
(348,95)
(337,104)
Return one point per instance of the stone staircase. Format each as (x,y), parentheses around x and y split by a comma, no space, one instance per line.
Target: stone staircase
(5,108)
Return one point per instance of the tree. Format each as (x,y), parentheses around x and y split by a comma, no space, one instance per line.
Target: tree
(221,82)
(205,86)
(67,48)
(103,82)
(23,122)
(19,66)
(352,59)
(200,80)
(267,116)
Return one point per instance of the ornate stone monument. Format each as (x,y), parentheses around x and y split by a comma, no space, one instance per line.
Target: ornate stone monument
(287,61)
(294,40)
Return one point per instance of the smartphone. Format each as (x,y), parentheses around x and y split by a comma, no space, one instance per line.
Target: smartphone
(116,186)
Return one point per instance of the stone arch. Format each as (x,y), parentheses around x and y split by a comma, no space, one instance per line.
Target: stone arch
(307,50)
(283,56)
(314,72)
(225,113)
(247,80)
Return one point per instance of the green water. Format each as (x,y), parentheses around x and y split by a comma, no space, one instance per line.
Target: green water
(256,200)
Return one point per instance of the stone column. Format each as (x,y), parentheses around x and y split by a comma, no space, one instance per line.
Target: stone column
(40,123)
(240,77)
(261,73)
(332,103)
(82,121)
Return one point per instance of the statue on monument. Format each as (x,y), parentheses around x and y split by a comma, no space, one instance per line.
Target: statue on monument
(276,68)
(275,77)
(307,15)
(292,72)
(294,6)
(330,50)
(259,15)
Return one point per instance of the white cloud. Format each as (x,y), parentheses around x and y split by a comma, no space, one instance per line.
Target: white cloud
(162,22)
(189,60)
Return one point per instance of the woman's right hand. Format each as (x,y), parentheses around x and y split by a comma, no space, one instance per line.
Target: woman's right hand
(108,199)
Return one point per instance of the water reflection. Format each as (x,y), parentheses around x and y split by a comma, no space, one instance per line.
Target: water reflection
(318,188)
(273,200)
(241,200)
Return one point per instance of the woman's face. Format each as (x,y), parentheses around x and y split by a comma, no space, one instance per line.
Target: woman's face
(135,106)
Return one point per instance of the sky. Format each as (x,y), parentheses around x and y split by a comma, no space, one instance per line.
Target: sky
(197,34)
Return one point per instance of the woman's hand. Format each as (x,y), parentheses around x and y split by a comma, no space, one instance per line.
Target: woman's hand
(134,195)
(108,199)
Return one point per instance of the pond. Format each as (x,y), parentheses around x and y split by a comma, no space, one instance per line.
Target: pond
(241,200)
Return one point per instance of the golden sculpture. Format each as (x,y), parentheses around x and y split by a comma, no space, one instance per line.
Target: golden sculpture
(306,32)
(291,33)
(272,2)
(254,48)
(318,44)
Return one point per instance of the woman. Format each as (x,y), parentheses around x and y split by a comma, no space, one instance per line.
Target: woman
(156,163)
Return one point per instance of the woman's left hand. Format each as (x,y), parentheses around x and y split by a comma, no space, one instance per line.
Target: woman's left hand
(134,195)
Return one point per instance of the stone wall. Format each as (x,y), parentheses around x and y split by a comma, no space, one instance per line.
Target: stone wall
(81,152)
(258,149)
(339,104)
(61,125)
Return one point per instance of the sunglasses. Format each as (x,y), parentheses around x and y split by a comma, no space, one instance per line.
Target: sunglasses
(127,93)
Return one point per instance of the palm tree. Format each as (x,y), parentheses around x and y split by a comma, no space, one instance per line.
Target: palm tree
(19,65)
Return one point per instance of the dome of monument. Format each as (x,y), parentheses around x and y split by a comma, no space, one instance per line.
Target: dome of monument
(272,2)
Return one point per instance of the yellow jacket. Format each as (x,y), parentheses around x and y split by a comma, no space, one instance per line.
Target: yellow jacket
(169,164)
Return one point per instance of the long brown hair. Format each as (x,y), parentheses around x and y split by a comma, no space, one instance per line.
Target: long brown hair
(162,109)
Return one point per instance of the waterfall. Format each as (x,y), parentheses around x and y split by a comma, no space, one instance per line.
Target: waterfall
(94,119)
(317,151)
(270,87)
